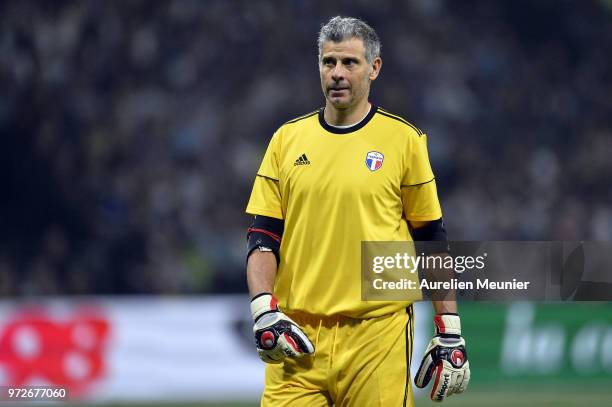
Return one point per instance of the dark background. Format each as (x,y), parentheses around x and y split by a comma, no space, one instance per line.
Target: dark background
(130,131)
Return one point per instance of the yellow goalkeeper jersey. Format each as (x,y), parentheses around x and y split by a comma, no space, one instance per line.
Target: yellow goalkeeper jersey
(334,188)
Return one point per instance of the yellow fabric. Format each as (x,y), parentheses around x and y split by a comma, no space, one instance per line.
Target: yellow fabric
(357,362)
(331,202)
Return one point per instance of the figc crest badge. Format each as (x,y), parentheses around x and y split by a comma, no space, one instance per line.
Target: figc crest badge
(374,160)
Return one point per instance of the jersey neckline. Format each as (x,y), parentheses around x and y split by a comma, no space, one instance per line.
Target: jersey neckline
(350,129)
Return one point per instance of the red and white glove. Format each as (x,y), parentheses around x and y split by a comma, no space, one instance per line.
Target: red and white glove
(276,335)
(445,359)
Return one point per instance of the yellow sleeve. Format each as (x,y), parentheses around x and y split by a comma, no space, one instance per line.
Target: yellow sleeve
(265,197)
(417,168)
(421,202)
(419,193)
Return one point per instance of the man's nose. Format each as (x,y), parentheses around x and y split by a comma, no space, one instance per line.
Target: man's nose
(338,72)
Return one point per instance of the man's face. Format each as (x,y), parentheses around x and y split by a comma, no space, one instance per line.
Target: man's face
(345,72)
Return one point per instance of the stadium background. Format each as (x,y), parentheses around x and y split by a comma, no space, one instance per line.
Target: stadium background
(131,132)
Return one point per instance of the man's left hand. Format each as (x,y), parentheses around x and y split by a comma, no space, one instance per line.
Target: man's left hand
(445,359)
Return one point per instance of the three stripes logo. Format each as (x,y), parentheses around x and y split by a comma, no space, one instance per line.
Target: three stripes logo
(302,160)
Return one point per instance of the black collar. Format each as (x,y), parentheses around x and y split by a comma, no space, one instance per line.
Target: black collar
(346,130)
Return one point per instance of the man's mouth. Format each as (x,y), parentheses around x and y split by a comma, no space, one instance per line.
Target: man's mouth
(337,90)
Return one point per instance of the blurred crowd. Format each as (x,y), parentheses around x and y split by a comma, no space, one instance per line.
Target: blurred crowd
(131,131)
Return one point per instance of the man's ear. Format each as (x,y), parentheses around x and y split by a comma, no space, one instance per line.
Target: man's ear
(375,68)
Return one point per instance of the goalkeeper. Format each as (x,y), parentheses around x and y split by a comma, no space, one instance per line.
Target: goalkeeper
(343,174)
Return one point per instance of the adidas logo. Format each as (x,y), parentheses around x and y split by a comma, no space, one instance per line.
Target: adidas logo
(302,160)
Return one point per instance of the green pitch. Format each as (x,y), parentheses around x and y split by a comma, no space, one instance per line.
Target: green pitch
(510,395)
(475,399)
(522,399)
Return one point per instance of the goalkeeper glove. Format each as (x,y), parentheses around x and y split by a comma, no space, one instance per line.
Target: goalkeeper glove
(445,359)
(276,335)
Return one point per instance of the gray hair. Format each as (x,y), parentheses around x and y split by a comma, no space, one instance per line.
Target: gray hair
(340,29)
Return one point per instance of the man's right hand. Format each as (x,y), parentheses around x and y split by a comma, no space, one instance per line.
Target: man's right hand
(276,335)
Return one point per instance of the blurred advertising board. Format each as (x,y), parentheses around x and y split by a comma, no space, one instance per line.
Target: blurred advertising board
(523,343)
(140,349)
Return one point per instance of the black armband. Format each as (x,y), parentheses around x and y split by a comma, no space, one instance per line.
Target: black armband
(431,238)
(265,232)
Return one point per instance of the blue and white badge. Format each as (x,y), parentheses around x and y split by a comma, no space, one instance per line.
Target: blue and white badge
(374,160)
